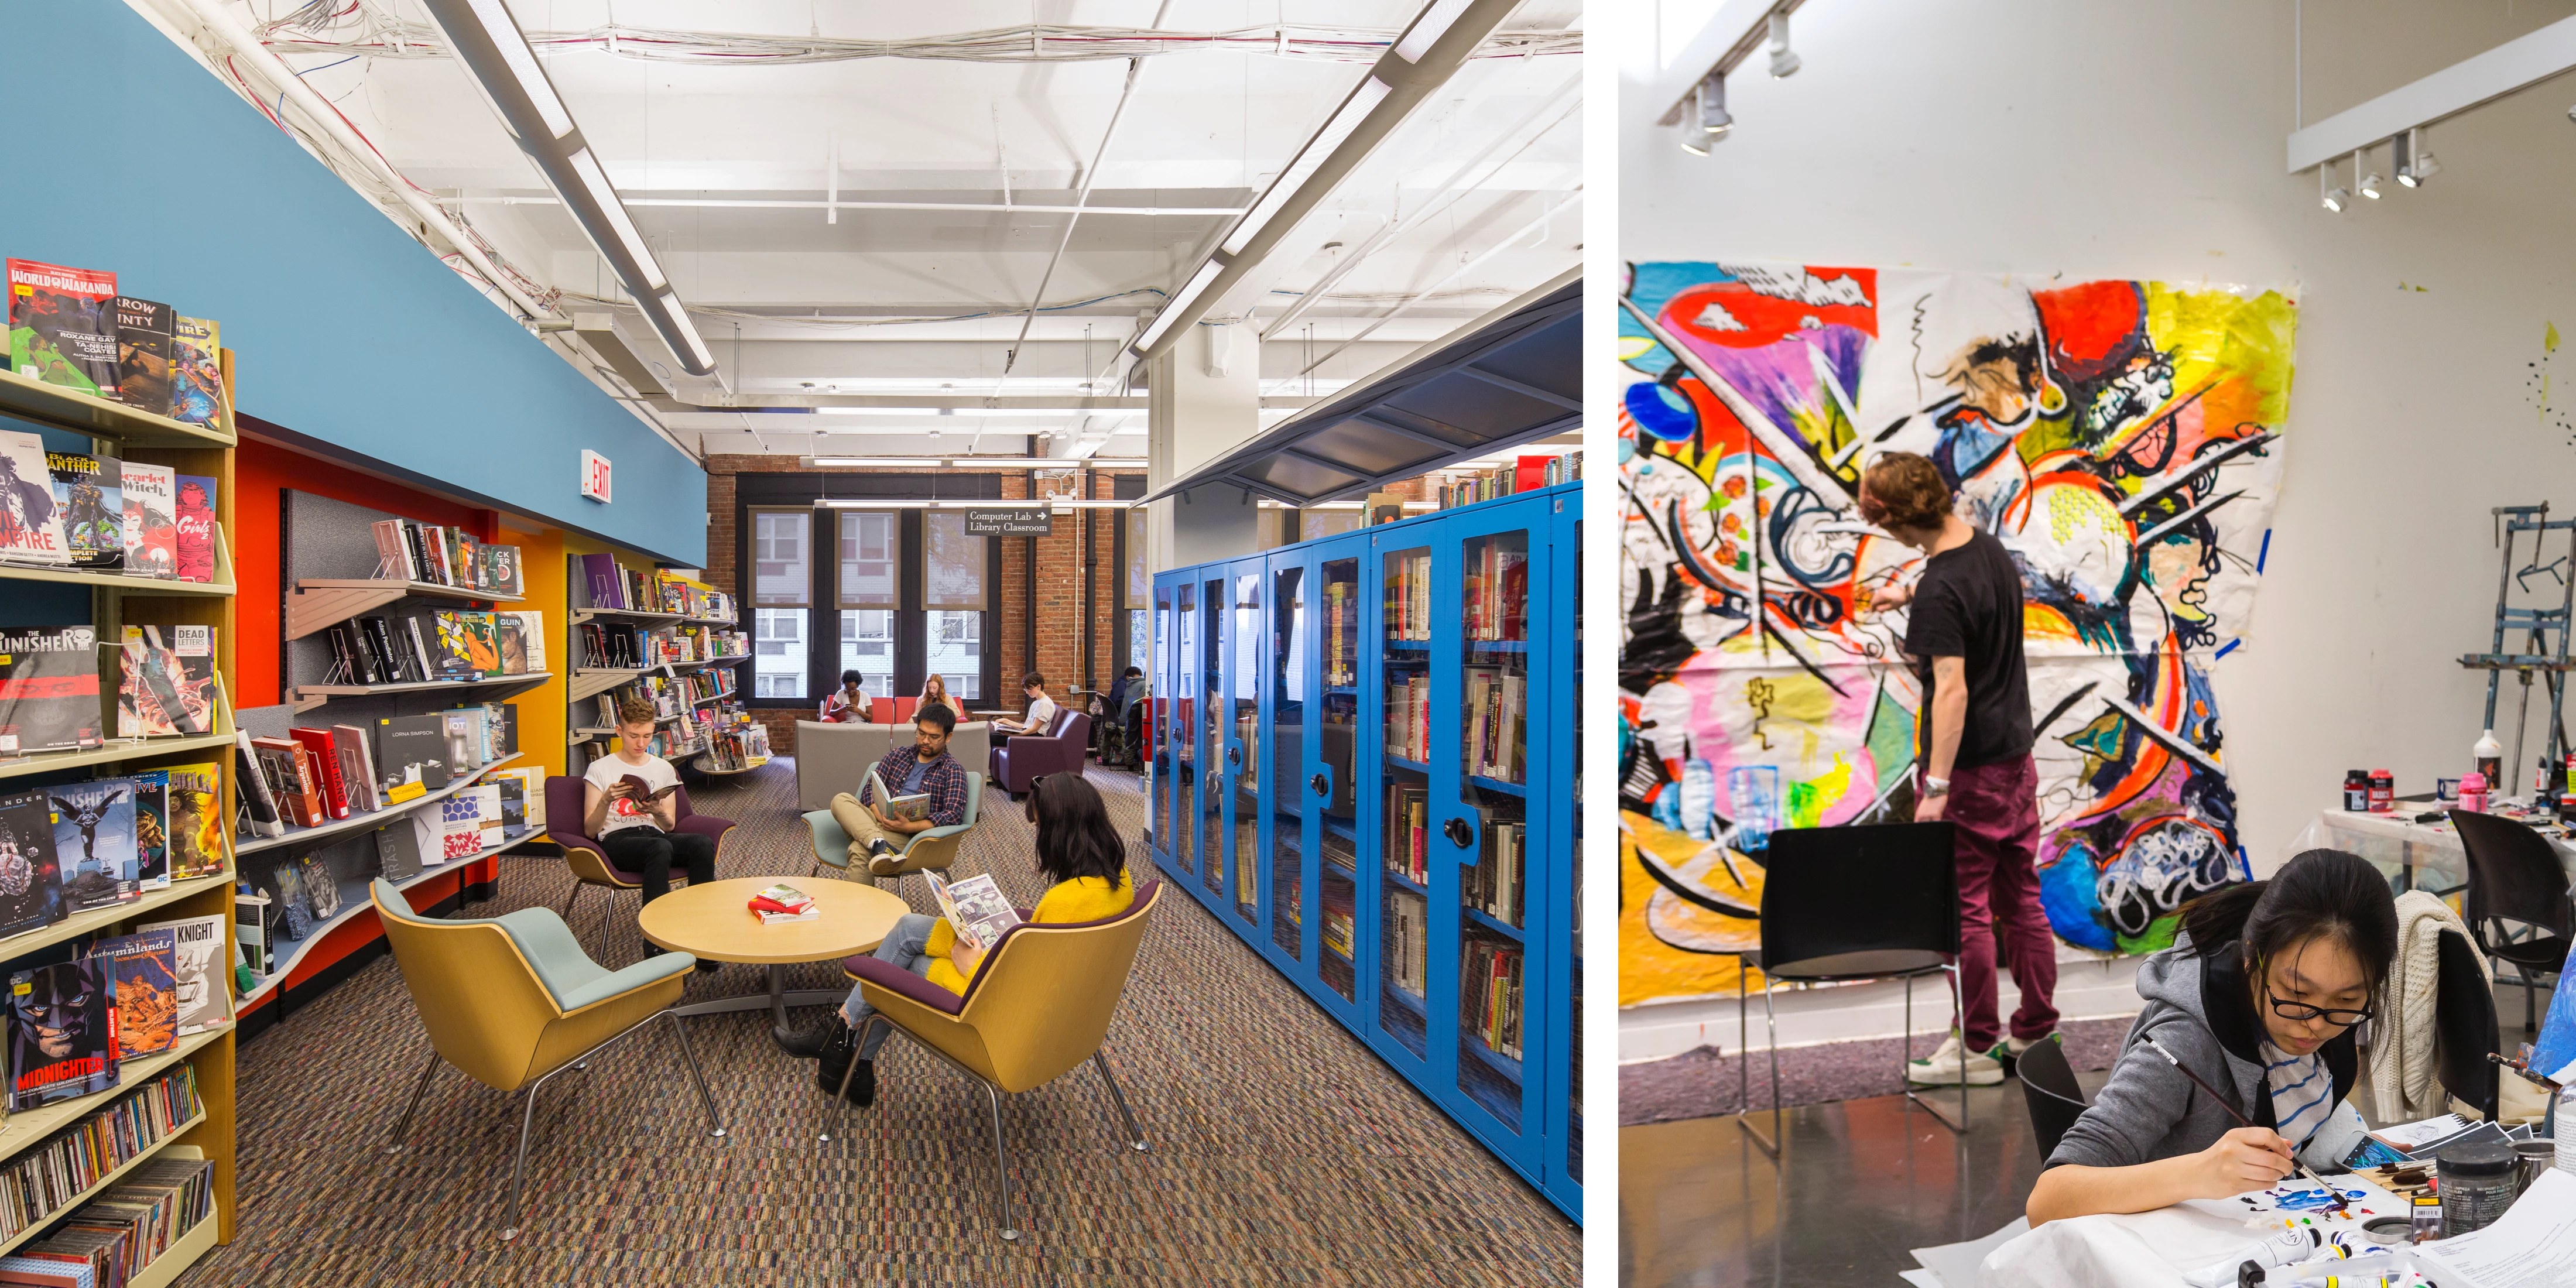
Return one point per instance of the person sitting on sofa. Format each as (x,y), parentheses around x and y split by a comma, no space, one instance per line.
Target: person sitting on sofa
(923,767)
(1041,714)
(848,704)
(934,692)
(1084,860)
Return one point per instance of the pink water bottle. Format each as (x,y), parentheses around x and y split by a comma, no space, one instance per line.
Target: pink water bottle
(2473,793)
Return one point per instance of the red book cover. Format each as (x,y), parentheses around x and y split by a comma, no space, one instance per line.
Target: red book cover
(1529,473)
(317,744)
(62,326)
(196,535)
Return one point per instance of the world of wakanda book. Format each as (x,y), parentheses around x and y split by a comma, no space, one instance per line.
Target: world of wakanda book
(62,326)
(62,1033)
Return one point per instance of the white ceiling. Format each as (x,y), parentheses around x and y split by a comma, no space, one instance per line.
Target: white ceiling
(915,301)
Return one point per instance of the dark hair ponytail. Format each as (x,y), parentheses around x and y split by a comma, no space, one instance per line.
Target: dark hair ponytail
(2321,892)
(1075,837)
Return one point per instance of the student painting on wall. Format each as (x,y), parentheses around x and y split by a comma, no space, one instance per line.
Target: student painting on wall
(934,692)
(1965,636)
(925,767)
(1084,860)
(640,831)
(2258,997)
(1041,713)
(847,704)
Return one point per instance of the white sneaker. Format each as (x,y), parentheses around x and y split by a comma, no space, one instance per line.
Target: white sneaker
(2013,1047)
(1954,1064)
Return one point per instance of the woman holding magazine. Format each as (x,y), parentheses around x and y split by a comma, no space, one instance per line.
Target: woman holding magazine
(1085,863)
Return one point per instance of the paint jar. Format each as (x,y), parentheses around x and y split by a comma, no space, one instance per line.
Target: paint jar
(2475,1180)
(2530,1159)
(1753,796)
(2383,791)
(2446,791)
(2356,791)
(2389,1229)
(2473,793)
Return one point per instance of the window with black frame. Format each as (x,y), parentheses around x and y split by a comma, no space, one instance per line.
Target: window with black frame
(956,594)
(868,593)
(781,598)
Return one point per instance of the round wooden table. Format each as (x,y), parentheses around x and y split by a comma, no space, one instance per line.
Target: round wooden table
(714,921)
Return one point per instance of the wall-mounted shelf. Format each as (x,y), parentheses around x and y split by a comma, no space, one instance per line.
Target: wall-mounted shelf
(580,615)
(591,681)
(354,900)
(338,827)
(711,621)
(309,696)
(322,601)
(130,584)
(31,399)
(115,750)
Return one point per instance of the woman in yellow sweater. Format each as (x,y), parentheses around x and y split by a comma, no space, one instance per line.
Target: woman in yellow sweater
(1078,852)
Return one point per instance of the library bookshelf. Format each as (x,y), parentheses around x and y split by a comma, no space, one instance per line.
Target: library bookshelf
(1365,764)
(117,600)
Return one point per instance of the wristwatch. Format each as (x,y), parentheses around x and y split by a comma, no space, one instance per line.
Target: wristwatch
(1935,786)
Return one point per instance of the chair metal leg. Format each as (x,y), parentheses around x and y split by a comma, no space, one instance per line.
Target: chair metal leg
(520,1165)
(1099,1060)
(1001,1163)
(680,1034)
(1959,1021)
(570,900)
(402,1130)
(841,1094)
(1744,1064)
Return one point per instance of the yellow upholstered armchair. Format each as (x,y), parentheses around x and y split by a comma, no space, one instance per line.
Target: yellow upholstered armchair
(1037,1008)
(512,1001)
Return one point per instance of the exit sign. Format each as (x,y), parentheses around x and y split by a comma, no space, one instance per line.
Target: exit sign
(594,476)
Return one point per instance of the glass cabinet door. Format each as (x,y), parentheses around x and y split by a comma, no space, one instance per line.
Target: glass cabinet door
(1243,749)
(1181,734)
(1401,633)
(1290,657)
(1486,764)
(1213,709)
(1339,610)
(1157,712)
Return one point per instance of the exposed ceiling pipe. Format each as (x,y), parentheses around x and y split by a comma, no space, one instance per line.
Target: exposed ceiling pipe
(323,117)
(1446,195)
(1090,175)
(1536,225)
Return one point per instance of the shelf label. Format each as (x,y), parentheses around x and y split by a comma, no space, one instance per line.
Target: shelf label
(594,476)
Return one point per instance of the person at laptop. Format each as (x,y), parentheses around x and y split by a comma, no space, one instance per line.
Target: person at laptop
(849,703)
(1041,713)
(640,830)
(1084,860)
(922,769)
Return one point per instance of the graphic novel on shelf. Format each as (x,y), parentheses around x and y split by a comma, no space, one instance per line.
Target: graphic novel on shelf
(94,841)
(288,881)
(142,354)
(196,528)
(512,640)
(31,523)
(152,829)
(49,690)
(166,684)
(202,970)
(483,644)
(30,879)
(151,520)
(89,499)
(143,974)
(62,1033)
(461,655)
(62,326)
(258,800)
(196,821)
(196,371)
(412,750)
(321,888)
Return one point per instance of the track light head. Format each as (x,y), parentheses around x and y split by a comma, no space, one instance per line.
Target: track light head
(2329,193)
(2370,184)
(2363,177)
(1785,61)
(1714,120)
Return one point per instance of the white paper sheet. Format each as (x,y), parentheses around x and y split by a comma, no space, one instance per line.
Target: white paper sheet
(2533,1245)
(2407,1136)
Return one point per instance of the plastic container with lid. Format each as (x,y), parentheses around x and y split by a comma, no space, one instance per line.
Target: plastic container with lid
(2473,793)
(2356,791)
(2476,1182)
(2383,791)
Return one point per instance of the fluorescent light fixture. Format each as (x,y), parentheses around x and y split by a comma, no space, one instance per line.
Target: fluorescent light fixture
(975,462)
(873,462)
(981,413)
(601,191)
(680,333)
(1354,110)
(873,503)
(1427,29)
(1180,299)
(503,32)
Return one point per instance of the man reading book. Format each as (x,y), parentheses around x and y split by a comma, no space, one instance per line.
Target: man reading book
(632,809)
(923,769)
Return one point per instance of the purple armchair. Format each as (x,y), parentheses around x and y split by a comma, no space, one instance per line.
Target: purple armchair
(590,863)
(1022,757)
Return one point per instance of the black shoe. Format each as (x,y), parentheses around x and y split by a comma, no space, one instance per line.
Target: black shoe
(809,1043)
(706,964)
(863,1081)
(879,847)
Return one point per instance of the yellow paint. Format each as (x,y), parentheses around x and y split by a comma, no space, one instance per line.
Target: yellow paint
(2549,337)
(1649,968)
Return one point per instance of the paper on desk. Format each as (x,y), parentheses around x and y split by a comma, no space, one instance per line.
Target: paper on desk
(2533,1245)
(2410,1135)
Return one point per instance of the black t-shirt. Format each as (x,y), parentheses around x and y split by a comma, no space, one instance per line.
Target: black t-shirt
(1968,606)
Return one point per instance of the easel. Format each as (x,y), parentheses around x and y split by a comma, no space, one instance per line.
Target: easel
(2546,644)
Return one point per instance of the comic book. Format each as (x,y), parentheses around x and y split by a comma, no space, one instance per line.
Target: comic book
(94,841)
(196,371)
(31,887)
(62,326)
(152,828)
(166,682)
(31,524)
(204,970)
(196,821)
(142,354)
(483,644)
(144,970)
(151,521)
(196,529)
(49,690)
(89,499)
(62,1033)
(455,658)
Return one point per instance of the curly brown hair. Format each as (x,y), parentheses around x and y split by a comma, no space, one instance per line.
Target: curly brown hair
(1903,490)
(635,710)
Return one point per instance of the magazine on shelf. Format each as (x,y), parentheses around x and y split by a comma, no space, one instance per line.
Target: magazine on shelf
(94,841)
(288,881)
(31,886)
(532,637)
(152,829)
(31,524)
(196,821)
(89,499)
(201,947)
(142,970)
(151,520)
(62,1033)
(143,335)
(911,809)
(357,767)
(512,643)
(49,690)
(62,326)
(196,527)
(196,371)
(974,907)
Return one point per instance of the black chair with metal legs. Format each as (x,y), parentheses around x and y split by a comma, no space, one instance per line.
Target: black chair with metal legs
(2049,1089)
(2515,875)
(2464,1027)
(1855,903)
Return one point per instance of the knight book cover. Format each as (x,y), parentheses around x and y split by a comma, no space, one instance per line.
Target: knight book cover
(202,971)
(30,881)
(49,690)
(62,326)
(62,1033)
(89,498)
(144,970)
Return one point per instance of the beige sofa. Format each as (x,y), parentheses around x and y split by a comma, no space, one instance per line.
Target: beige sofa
(832,758)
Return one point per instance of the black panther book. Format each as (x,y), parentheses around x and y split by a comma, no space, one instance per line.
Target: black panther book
(62,1033)
(31,883)
(89,497)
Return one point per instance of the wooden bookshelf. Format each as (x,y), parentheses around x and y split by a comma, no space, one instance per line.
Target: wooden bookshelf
(27,398)
(116,750)
(132,583)
(317,602)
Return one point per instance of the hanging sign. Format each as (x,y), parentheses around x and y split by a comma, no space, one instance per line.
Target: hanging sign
(1011,521)
(594,476)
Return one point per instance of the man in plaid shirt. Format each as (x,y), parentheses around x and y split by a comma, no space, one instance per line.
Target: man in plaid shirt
(925,766)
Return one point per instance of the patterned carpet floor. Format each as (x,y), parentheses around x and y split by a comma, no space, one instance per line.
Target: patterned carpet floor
(1283,1151)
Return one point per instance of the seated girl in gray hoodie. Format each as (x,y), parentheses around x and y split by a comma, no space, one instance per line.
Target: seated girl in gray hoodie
(2258,995)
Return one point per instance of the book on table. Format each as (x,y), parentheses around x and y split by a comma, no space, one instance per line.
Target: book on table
(783,903)
(910,809)
(975,908)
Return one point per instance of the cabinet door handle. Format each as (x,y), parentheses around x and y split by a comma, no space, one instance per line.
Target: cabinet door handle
(1458,832)
(1234,755)
(1322,785)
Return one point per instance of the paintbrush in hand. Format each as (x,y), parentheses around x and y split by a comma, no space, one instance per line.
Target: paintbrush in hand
(2241,1121)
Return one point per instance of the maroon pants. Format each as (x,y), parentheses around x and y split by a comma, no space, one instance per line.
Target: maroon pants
(1995,809)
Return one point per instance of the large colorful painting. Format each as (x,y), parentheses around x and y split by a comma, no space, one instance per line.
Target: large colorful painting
(2123,440)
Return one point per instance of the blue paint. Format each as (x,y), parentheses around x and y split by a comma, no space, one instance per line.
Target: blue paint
(2263,554)
(2227,648)
(349,331)
(2068,893)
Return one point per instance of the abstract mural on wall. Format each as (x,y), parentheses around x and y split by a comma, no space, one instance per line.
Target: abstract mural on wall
(2123,440)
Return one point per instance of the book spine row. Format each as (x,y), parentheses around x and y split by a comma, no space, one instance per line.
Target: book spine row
(1409,941)
(1489,997)
(1495,886)
(39,1183)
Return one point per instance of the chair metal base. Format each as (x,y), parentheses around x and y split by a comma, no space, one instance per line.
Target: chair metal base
(1770,1144)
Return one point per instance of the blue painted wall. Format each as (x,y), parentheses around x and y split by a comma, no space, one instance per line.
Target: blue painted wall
(347,330)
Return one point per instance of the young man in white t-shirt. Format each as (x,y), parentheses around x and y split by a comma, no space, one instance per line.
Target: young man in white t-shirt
(1041,713)
(641,830)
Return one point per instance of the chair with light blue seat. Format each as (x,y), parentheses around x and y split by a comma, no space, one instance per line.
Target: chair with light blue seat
(512,1001)
(934,849)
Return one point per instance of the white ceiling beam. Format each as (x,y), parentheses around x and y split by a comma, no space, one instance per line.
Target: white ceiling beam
(829,204)
(2514,65)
